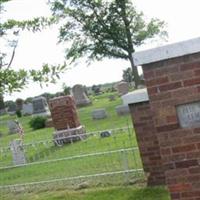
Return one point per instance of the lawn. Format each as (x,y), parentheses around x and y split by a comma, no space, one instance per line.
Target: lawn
(39,147)
(110,193)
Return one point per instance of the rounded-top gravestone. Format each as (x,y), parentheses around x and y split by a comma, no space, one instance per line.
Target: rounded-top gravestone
(40,106)
(81,98)
(122,88)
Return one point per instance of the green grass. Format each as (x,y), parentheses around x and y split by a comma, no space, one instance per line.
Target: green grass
(77,167)
(114,193)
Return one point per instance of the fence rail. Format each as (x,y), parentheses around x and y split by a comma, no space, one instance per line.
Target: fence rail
(112,160)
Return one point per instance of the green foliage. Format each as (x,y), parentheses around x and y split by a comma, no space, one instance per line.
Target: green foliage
(37,122)
(99,29)
(128,75)
(19,113)
(15,80)
(96,89)
(66,89)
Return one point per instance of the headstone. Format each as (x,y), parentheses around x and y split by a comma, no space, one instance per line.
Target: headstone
(135,96)
(99,114)
(122,110)
(40,106)
(27,109)
(2,111)
(18,154)
(12,109)
(12,126)
(122,88)
(81,98)
(65,120)
(111,98)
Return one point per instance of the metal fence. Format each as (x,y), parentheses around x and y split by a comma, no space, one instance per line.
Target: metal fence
(94,161)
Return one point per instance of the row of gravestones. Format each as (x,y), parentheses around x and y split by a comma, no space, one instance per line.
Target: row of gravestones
(39,104)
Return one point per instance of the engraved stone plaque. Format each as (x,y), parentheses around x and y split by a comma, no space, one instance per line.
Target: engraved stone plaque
(189,115)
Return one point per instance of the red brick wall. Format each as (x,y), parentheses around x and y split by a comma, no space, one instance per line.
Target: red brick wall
(142,117)
(64,113)
(170,83)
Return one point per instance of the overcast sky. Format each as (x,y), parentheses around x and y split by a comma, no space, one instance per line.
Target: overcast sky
(182,18)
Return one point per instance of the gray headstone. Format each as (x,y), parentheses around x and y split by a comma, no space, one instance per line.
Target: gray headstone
(111,98)
(122,110)
(40,106)
(12,126)
(12,109)
(122,88)
(18,154)
(27,109)
(99,114)
(80,97)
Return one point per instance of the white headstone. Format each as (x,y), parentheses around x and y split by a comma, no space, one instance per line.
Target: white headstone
(12,126)
(27,109)
(136,96)
(18,152)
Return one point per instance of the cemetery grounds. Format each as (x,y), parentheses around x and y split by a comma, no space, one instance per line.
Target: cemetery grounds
(94,168)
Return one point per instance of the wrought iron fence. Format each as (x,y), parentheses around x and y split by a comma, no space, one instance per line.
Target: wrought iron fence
(96,160)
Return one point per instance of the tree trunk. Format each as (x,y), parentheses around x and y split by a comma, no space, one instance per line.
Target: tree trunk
(122,5)
(135,72)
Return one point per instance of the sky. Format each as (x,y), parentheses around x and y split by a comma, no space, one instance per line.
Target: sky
(34,49)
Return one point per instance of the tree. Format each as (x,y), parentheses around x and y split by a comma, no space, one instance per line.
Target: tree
(12,79)
(96,89)
(66,89)
(100,28)
(128,75)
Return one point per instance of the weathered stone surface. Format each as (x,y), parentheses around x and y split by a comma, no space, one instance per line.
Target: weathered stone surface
(40,106)
(122,110)
(64,113)
(99,114)
(122,88)
(65,120)
(69,135)
(12,109)
(12,126)
(27,109)
(81,98)
(136,96)
(18,154)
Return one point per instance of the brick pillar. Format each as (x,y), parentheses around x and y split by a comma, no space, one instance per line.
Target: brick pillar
(142,117)
(172,76)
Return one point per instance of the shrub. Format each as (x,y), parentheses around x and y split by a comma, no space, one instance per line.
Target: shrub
(19,113)
(37,122)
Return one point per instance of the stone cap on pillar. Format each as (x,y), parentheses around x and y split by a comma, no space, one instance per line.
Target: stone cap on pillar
(166,52)
(137,96)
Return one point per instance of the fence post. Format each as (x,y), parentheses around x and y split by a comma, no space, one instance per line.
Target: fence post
(125,165)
